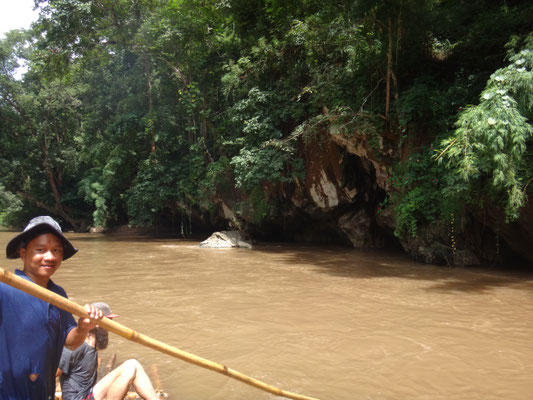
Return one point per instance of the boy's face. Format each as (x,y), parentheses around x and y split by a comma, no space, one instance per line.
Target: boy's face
(42,257)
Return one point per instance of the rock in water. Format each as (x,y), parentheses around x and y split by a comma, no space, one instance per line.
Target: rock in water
(225,239)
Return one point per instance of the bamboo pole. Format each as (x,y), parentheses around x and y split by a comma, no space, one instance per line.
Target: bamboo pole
(121,330)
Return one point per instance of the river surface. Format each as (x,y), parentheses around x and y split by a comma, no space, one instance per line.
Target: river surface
(328,322)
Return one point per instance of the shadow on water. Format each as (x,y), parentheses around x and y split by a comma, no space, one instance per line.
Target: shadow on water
(139,238)
(379,264)
(360,264)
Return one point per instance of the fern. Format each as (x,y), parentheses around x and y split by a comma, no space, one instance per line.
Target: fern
(491,139)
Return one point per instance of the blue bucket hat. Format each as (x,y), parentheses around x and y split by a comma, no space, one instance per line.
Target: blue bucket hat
(38,226)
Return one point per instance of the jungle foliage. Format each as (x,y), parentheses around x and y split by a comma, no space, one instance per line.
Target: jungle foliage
(139,111)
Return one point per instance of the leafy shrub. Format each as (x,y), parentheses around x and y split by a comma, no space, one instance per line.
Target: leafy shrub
(416,194)
(487,154)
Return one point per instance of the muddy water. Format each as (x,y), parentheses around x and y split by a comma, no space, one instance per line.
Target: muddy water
(332,323)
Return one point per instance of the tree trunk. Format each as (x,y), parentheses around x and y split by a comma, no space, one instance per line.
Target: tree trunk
(389,70)
(150,102)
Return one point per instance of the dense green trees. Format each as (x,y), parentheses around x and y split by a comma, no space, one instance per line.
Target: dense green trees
(140,111)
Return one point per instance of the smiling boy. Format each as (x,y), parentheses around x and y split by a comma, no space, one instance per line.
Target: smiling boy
(33,332)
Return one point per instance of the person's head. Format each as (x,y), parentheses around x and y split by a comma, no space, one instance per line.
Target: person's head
(42,247)
(101,335)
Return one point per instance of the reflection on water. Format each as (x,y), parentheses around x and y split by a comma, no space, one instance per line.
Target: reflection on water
(332,323)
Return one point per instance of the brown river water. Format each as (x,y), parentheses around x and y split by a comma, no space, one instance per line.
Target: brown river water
(329,322)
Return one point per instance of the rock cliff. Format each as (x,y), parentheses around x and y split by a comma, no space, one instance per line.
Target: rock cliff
(339,202)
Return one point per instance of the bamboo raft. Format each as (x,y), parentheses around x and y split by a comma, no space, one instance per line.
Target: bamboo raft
(131,395)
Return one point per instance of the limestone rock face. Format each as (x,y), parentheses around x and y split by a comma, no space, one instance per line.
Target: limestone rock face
(360,149)
(324,192)
(427,245)
(344,198)
(517,235)
(356,226)
(324,188)
(225,239)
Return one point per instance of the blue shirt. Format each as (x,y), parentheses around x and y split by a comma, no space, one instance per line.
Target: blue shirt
(32,335)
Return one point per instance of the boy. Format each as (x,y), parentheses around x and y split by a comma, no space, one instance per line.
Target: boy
(33,332)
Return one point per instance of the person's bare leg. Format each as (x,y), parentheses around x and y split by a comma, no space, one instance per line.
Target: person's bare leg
(115,385)
(121,384)
(142,384)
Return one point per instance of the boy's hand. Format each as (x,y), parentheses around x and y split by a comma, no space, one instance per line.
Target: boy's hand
(87,324)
